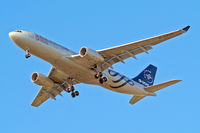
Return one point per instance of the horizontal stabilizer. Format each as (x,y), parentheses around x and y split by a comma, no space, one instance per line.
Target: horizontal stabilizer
(135,99)
(157,87)
(153,88)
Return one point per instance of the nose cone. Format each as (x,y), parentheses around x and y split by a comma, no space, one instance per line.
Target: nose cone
(10,34)
(16,36)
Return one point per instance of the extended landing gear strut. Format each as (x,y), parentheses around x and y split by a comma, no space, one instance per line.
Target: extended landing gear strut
(99,75)
(71,89)
(27,53)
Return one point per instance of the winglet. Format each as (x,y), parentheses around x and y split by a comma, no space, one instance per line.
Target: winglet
(186,28)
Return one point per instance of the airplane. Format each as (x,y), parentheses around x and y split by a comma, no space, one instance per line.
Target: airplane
(90,66)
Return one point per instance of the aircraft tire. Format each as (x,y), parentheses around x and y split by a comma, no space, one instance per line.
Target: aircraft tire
(101,80)
(68,90)
(76,93)
(96,76)
(27,56)
(73,94)
(105,79)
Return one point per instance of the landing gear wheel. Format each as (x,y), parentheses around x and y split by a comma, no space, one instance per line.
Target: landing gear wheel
(96,76)
(73,94)
(68,90)
(76,93)
(27,56)
(105,79)
(101,80)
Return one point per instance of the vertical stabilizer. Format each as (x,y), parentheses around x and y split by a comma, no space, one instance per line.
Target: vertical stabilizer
(146,77)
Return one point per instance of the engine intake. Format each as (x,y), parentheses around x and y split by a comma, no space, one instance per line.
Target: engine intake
(42,80)
(91,54)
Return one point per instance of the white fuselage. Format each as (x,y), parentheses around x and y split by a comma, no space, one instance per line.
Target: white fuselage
(58,56)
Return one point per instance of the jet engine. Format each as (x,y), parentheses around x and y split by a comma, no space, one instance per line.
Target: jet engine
(42,80)
(91,54)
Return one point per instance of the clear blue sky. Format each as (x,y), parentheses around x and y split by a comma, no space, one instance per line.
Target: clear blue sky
(97,25)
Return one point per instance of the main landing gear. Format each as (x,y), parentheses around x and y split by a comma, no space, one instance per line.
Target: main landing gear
(101,78)
(73,92)
(99,75)
(27,53)
(71,89)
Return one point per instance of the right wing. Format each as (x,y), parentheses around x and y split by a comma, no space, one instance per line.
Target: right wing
(45,93)
(153,88)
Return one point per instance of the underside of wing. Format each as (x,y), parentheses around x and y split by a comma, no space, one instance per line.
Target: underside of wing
(45,93)
(41,97)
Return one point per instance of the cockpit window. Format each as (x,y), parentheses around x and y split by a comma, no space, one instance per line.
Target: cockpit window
(18,31)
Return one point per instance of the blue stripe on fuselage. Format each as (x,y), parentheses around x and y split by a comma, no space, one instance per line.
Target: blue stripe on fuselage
(121,78)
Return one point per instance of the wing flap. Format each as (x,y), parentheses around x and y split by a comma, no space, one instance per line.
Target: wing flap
(124,56)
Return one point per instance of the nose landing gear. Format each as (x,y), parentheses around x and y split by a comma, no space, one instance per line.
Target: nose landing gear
(27,53)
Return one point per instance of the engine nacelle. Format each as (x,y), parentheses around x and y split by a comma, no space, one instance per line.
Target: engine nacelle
(91,54)
(42,80)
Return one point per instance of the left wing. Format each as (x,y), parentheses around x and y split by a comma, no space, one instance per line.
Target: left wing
(122,52)
(45,92)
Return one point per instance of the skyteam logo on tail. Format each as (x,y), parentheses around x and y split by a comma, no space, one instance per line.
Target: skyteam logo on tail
(146,77)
